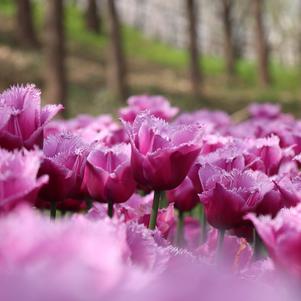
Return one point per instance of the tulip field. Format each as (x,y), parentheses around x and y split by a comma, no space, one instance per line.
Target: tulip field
(150,204)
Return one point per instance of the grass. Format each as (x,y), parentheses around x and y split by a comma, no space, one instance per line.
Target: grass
(149,58)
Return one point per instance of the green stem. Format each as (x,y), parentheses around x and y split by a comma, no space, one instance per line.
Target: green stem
(220,243)
(89,203)
(110,209)
(180,229)
(53,210)
(203,220)
(257,244)
(153,217)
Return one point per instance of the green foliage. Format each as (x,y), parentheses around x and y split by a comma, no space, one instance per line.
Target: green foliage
(221,92)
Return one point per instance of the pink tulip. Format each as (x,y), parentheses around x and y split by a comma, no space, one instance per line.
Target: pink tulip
(214,120)
(158,106)
(264,110)
(227,157)
(64,161)
(108,174)
(18,178)
(71,259)
(228,196)
(265,154)
(22,119)
(162,154)
(184,196)
(282,237)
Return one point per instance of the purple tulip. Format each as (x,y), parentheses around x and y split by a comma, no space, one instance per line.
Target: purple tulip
(18,178)
(289,189)
(184,196)
(108,174)
(214,120)
(282,237)
(64,161)
(102,129)
(228,196)
(265,110)
(162,154)
(228,157)
(22,119)
(265,154)
(158,106)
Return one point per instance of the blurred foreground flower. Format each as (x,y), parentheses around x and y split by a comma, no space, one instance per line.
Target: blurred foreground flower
(282,237)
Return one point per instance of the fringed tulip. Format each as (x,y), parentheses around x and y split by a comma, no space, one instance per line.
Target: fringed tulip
(19,182)
(64,161)
(282,237)
(162,154)
(184,196)
(264,110)
(265,154)
(158,106)
(228,196)
(214,120)
(22,118)
(108,174)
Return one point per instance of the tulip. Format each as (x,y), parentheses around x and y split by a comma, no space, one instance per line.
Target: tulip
(108,175)
(22,118)
(228,157)
(216,121)
(18,178)
(282,238)
(265,154)
(162,154)
(158,106)
(79,258)
(184,196)
(264,110)
(64,161)
(285,194)
(228,196)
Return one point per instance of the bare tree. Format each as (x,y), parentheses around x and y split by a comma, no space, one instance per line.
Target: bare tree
(193,49)
(261,43)
(117,65)
(54,49)
(227,19)
(25,30)
(92,16)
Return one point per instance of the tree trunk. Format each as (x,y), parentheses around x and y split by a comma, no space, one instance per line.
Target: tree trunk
(117,64)
(54,49)
(92,16)
(228,36)
(193,49)
(25,30)
(261,43)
